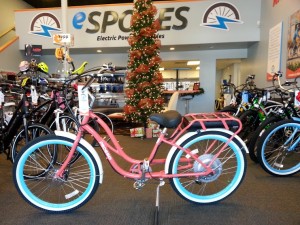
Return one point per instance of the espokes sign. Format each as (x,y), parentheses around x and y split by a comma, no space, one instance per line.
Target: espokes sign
(194,22)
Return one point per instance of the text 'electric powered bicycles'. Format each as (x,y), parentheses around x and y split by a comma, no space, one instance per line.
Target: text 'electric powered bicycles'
(206,162)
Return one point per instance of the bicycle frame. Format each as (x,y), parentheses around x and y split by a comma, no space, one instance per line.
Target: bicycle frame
(136,170)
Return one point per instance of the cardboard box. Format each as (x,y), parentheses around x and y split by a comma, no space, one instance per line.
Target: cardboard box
(153,125)
(156,132)
(137,132)
(148,132)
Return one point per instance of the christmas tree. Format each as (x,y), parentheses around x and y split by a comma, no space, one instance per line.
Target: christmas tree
(144,80)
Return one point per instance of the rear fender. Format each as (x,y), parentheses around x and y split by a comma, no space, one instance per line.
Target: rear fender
(236,139)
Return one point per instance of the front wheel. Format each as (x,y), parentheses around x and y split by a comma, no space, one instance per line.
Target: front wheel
(279,150)
(228,165)
(78,184)
(253,142)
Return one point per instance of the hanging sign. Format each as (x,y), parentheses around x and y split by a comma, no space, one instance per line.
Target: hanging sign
(293,47)
(83,99)
(274,51)
(63,39)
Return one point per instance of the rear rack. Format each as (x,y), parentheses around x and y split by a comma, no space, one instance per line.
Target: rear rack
(212,120)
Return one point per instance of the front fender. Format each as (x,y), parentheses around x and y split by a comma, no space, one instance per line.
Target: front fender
(88,146)
(236,139)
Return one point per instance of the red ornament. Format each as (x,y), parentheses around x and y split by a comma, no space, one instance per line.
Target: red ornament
(129,64)
(159,101)
(129,92)
(151,11)
(142,68)
(132,40)
(156,25)
(128,109)
(155,60)
(135,54)
(145,103)
(157,79)
(130,75)
(158,43)
(143,85)
(135,17)
(147,32)
(149,50)
(158,75)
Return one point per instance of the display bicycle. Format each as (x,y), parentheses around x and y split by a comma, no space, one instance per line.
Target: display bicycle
(20,123)
(206,162)
(287,111)
(278,147)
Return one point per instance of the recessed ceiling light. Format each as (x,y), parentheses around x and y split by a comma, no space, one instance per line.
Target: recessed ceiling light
(99,51)
(172,48)
(190,63)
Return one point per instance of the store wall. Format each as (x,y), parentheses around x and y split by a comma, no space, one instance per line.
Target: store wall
(256,63)
(11,57)
(7,12)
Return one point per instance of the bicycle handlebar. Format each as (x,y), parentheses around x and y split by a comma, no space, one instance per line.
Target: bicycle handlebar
(277,76)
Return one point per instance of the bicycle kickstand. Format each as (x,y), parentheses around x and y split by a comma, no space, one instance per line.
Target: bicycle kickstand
(161,183)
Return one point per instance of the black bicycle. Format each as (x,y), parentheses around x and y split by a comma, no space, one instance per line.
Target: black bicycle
(20,123)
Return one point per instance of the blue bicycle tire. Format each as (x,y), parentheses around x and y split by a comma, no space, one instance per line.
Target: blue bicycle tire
(75,189)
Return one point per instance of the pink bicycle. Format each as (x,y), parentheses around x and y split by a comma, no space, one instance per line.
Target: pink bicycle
(206,162)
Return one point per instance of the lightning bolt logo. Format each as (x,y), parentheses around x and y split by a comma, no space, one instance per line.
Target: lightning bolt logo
(45,31)
(218,15)
(43,24)
(221,23)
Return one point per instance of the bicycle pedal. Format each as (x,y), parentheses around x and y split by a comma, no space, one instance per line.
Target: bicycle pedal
(138,185)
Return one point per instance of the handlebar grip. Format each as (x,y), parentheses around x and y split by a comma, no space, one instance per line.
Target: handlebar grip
(281,92)
(251,76)
(120,68)
(15,89)
(289,83)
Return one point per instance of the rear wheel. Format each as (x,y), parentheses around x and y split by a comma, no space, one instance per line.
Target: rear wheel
(34,131)
(250,121)
(230,109)
(228,165)
(65,123)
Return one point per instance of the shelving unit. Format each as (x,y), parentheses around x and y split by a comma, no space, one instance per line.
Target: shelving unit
(109,90)
(179,79)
